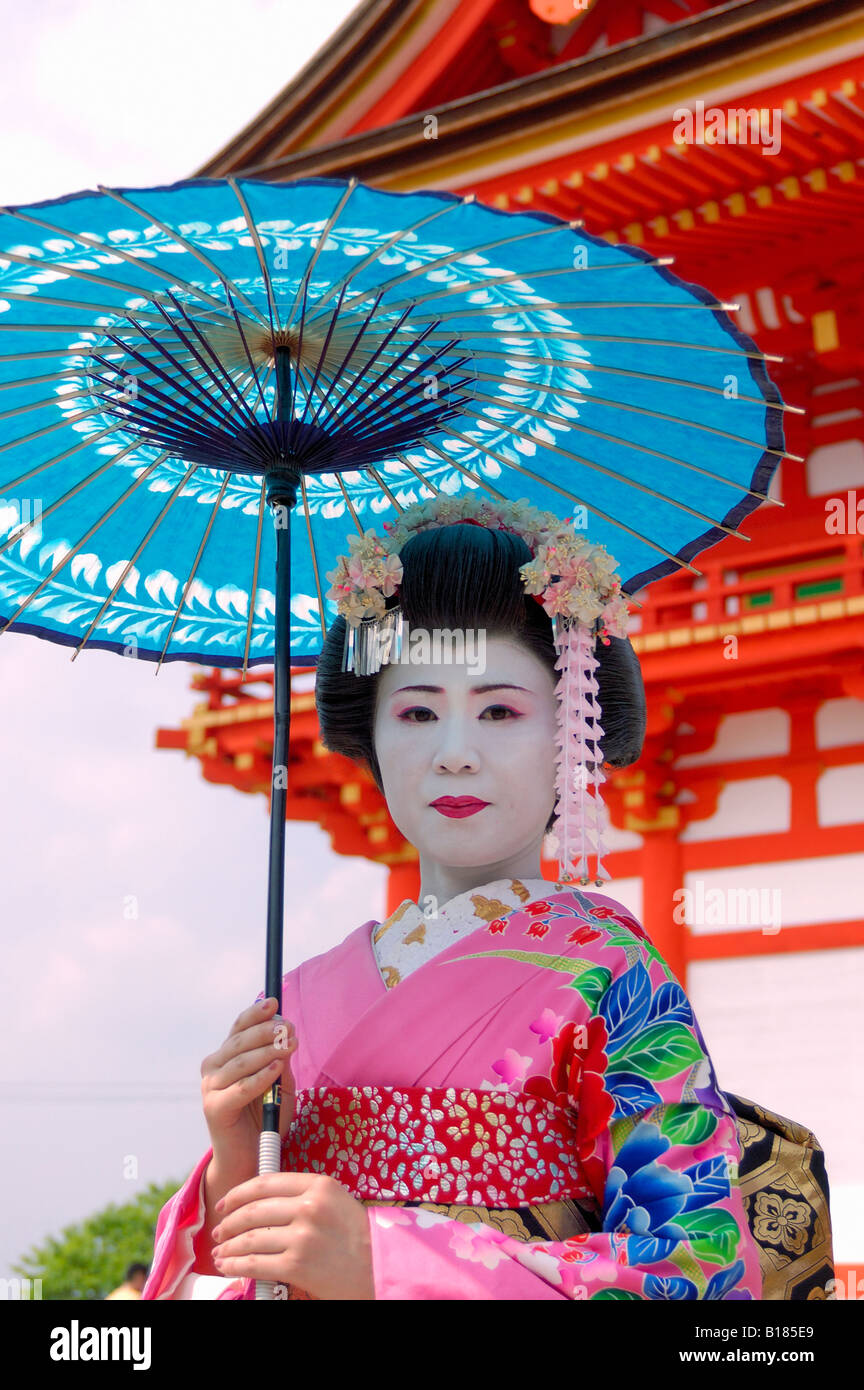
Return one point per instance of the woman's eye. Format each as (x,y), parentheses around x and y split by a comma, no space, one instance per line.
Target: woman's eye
(501,708)
(423,709)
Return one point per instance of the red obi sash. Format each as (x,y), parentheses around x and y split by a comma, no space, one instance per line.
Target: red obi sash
(433,1144)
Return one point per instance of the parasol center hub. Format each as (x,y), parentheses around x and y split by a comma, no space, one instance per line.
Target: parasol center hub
(282,484)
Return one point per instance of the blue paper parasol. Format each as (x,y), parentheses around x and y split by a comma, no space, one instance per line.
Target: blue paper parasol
(174,360)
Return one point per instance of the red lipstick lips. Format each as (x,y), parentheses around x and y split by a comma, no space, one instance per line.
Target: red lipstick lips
(457,807)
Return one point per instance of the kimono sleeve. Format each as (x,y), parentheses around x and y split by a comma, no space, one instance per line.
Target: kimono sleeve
(172,1273)
(658,1144)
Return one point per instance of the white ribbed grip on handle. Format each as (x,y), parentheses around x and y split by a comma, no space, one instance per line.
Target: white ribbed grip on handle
(269,1161)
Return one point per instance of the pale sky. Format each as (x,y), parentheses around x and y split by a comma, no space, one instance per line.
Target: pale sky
(97,1008)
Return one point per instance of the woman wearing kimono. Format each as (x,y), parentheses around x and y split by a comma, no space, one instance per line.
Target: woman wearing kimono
(501,1090)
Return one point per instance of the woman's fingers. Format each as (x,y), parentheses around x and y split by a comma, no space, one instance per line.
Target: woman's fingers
(261,1012)
(236,1093)
(255,1056)
(250,1063)
(275,1033)
(261,1009)
(260,1212)
(263,1240)
(224,1107)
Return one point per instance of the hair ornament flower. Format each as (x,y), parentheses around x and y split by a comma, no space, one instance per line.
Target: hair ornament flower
(570,577)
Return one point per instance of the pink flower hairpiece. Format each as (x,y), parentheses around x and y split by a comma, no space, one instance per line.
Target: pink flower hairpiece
(571,577)
(577,587)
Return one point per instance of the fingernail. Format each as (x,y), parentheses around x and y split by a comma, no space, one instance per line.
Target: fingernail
(264,1004)
(220,1204)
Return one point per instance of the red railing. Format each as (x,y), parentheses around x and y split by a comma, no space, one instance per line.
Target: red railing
(718,596)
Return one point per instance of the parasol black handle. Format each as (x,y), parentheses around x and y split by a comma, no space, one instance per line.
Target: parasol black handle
(281,495)
(278,782)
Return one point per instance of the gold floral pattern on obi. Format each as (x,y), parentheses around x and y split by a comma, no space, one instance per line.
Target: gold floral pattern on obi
(781,1221)
(484,1148)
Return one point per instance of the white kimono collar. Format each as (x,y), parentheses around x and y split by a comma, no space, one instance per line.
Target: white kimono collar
(408,937)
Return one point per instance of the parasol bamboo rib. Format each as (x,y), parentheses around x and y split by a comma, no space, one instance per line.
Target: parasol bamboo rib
(350,505)
(385,489)
(142,544)
(298,358)
(689,424)
(486,486)
(70,492)
(173,433)
(322,239)
(373,384)
(314,555)
(190,577)
(334,376)
(234,396)
(639,409)
(70,554)
(451,256)
(321,356)
(253,594)
(50,429)
(180,238)
(255,374)
(383,406)
(556,487)
(421,478)
(522,310)
(197,402)
(196,291)
(519,408)
(58,458)
(480,484)
(273,312)
(524,277)
(385,246)
(587,395)
(619,477)
(200,405)
(649,377)
(92,304)
(473,286)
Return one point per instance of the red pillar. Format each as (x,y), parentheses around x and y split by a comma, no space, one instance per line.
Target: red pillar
(403,882)
(661,877)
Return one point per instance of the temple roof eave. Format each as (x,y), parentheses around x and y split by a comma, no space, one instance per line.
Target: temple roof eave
(690,55)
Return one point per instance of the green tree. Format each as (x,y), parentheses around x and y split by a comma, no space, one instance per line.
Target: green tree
(91,1259)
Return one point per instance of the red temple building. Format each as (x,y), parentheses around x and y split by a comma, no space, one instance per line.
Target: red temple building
(731,137)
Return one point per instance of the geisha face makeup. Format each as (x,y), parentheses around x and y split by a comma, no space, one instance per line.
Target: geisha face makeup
(443,730)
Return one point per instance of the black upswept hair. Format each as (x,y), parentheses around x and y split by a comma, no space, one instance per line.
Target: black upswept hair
(467,576)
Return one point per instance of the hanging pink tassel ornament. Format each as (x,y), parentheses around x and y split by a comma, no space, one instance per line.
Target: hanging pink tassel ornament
(580,812)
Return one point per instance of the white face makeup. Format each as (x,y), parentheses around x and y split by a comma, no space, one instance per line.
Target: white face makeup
(470,736)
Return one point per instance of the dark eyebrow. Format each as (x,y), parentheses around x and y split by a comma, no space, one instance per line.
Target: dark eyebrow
(475,689)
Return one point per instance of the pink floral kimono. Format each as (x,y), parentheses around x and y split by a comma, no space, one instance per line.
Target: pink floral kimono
(519,1092)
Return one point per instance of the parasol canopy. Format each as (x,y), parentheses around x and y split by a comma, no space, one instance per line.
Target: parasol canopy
(138,396)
